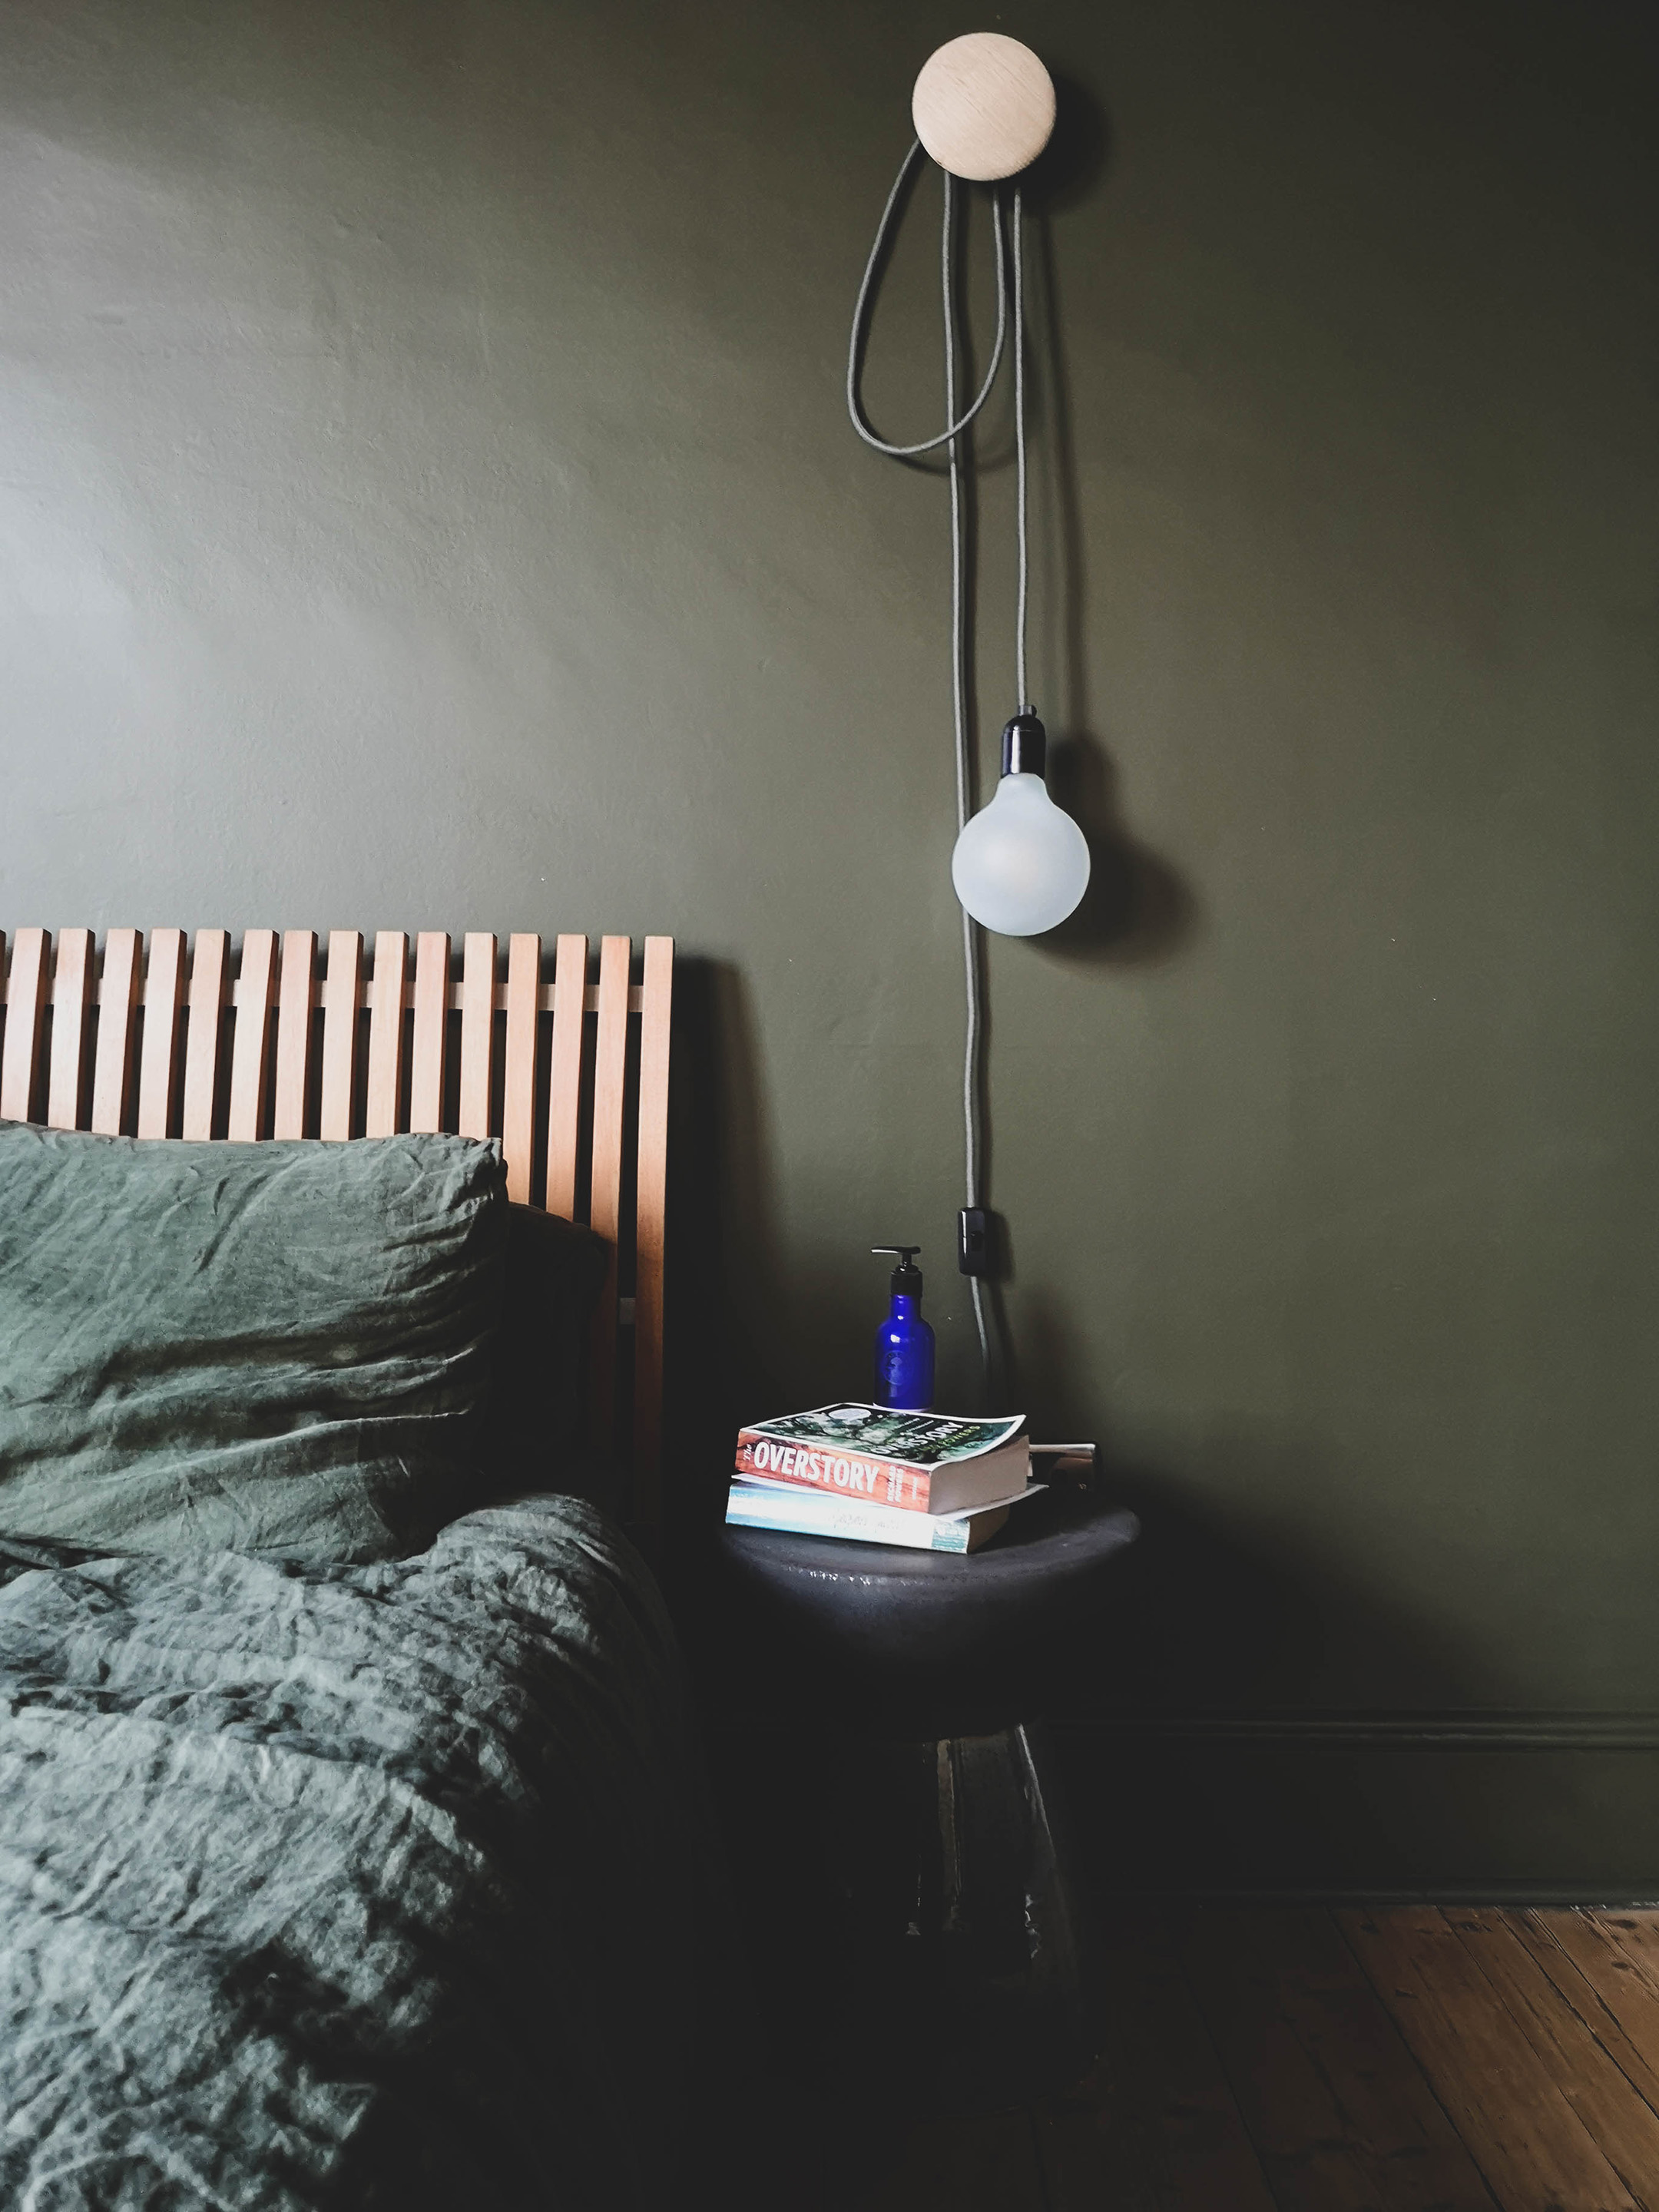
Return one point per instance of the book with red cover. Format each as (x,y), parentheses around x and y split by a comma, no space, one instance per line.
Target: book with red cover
(924,1462)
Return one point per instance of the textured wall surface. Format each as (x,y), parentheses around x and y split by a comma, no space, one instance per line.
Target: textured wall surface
(426,500)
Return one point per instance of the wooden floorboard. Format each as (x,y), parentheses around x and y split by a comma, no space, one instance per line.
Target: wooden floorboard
(1553,1939)
(1498,2092)
(1616,2115)
(1338,2108)
(1637,1935)
(1155,2126)
(1600,1946)
(1269,2060)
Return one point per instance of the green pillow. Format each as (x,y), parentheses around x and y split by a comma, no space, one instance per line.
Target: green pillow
(278,1348)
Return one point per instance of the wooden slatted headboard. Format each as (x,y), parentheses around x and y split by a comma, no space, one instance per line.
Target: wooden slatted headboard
(571,1075)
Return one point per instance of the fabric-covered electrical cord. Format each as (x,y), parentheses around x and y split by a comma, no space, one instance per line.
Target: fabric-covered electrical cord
(1023,694)
(964,766)
(861,317)
(951,438)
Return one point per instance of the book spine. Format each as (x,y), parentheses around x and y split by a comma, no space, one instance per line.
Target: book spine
(852,1475)
(854,1523)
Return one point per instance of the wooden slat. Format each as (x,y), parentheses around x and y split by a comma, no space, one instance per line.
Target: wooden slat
(609,1106)
(477,1032)
(650,1230)
(1154,2126)
(118,1004)
(1525,2137)
(25,1009)
(428,1048)
(158,1064)
(73,993)
(342,991)
(250,1046)
(564,1094)
(524,979)
(210,973)
(293,1007)
(1333,2102)
(386,1033)
(1589,2075)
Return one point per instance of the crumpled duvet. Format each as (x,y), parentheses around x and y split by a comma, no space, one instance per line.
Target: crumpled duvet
(368,1886)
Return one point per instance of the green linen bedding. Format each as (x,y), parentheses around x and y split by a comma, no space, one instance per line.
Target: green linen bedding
(323,1885)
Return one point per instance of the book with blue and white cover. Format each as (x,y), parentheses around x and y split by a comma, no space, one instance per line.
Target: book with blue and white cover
(754,1503)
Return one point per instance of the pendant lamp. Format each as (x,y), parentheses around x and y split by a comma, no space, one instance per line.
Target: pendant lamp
(983,108)
(1021,864)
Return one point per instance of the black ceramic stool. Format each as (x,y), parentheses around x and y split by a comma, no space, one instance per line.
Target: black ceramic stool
(937,1669)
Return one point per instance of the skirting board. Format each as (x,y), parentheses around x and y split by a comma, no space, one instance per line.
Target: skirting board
(1365,1806)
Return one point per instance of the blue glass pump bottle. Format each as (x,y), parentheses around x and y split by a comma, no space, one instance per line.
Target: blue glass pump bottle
(904,1342)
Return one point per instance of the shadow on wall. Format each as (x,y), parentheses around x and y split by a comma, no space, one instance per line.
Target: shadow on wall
(1079,152)
(749,1326)
(721,1183)
(1138,909)
(1224,1602)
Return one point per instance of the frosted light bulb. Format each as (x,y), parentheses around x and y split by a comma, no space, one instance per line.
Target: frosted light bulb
(1021,864)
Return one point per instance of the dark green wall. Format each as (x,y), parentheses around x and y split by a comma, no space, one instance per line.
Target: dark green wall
(427,500)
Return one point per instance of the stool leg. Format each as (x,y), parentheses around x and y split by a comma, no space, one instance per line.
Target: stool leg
(1012,2020)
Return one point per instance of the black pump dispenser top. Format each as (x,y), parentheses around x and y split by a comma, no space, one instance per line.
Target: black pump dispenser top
(906,1279)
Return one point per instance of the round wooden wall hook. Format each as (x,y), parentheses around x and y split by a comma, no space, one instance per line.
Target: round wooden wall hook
(983,105)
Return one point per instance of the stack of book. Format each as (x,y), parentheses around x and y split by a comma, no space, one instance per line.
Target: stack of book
(874,1475)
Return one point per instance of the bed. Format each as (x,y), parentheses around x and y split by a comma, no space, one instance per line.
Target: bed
(376,1869)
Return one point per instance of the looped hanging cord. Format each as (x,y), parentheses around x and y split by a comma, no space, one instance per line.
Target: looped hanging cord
(861,318)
